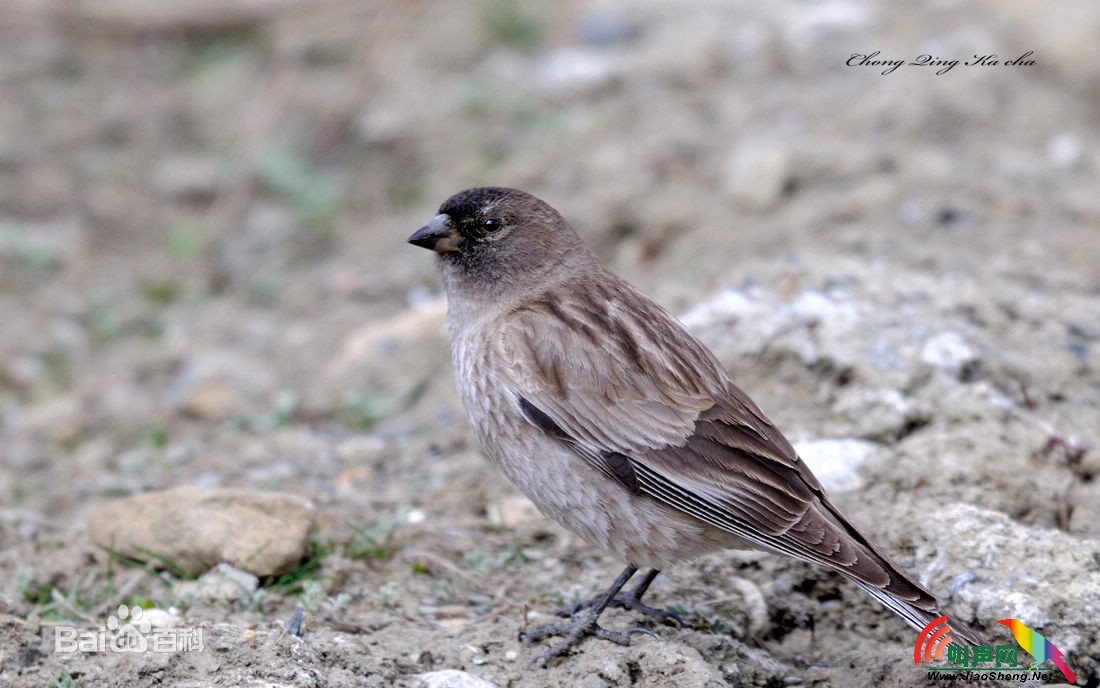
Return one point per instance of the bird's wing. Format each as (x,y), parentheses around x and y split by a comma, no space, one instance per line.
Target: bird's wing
(652,408)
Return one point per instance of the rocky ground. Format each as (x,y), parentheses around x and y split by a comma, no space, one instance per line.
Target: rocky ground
(204,284)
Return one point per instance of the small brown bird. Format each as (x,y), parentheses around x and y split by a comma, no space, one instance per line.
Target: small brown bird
(621,425)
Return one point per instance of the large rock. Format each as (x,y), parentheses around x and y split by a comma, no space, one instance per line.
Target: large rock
(193,529)
(1049,579)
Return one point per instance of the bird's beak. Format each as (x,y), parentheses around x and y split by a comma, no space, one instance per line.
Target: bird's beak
(439,235)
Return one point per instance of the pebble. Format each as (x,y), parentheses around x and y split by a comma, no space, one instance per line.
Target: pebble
(262,533)
(214,385)
(836,462)
(220,584)
(188,177)
(452,678)
(947,351)
(756,174)
(513,511)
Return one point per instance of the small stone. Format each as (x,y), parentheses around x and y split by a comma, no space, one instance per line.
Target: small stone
(214,385)
(593,681)
(513,511)
(452,678)
(605,28)
(475,655)
(193,529)
(383,123)
(729,307)
(162,618)
(17,525)
(756,175)
(947,351)
(60,419)
(22,371)
(425,320)
(188,178)
(877,414)
(575,72)
(1066,150)
(220,584)
(836,462)
(361,448)
(811,26)
(47,244)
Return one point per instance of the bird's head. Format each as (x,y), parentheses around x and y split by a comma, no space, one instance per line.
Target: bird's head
(498,235)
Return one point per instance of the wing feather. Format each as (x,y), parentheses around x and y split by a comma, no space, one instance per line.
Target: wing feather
(690,437)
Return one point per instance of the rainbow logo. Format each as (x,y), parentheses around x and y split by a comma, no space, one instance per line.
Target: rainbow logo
(1038,647)
(933,641)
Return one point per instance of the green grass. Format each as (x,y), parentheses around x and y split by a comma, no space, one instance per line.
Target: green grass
(212,52)
(184,241)
(58,367)
(375,540)
(88,594)
(32,591)
(281,414)
(309,569)
(161,291)
(701,618)
(514,23)
(363,410)
(315,196)
(155,436)
(484,562)
(385,595)
(66,679)
(170,565)
(24,247)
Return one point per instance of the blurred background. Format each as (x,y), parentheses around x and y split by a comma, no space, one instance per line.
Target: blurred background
(204,279)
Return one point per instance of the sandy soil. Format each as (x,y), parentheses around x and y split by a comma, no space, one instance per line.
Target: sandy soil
(204,281)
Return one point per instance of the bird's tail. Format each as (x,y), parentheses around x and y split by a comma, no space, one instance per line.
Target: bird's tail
(889,583)
(919,617)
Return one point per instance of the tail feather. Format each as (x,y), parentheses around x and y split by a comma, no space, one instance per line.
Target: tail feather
(900,593)
(918,618)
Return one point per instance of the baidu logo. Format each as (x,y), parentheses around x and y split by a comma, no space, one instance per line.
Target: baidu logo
(129,630)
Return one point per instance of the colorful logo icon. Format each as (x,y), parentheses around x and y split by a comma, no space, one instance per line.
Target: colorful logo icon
(982,662)
(1038,647)
(933,640)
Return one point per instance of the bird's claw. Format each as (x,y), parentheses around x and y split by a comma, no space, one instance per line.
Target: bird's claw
(659,615)
(622,637)
(574,631)
(629,601)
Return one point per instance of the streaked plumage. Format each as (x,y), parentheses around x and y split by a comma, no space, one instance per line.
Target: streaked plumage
(615,420)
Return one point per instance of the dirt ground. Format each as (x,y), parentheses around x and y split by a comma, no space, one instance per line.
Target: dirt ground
(204,282)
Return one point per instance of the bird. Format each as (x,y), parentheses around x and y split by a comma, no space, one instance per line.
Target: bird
(1038,647)
(619,424)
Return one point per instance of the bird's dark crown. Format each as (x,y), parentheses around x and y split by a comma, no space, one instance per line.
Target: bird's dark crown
(470,209)
(496,236)
(472,202)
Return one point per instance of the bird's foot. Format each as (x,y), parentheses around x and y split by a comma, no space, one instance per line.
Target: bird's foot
(580,625)
(630,600)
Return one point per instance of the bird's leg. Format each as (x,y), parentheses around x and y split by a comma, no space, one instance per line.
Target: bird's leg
(631,600)
(583,623)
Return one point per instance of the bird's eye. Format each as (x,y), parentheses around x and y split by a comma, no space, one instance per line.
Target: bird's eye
(492,224)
